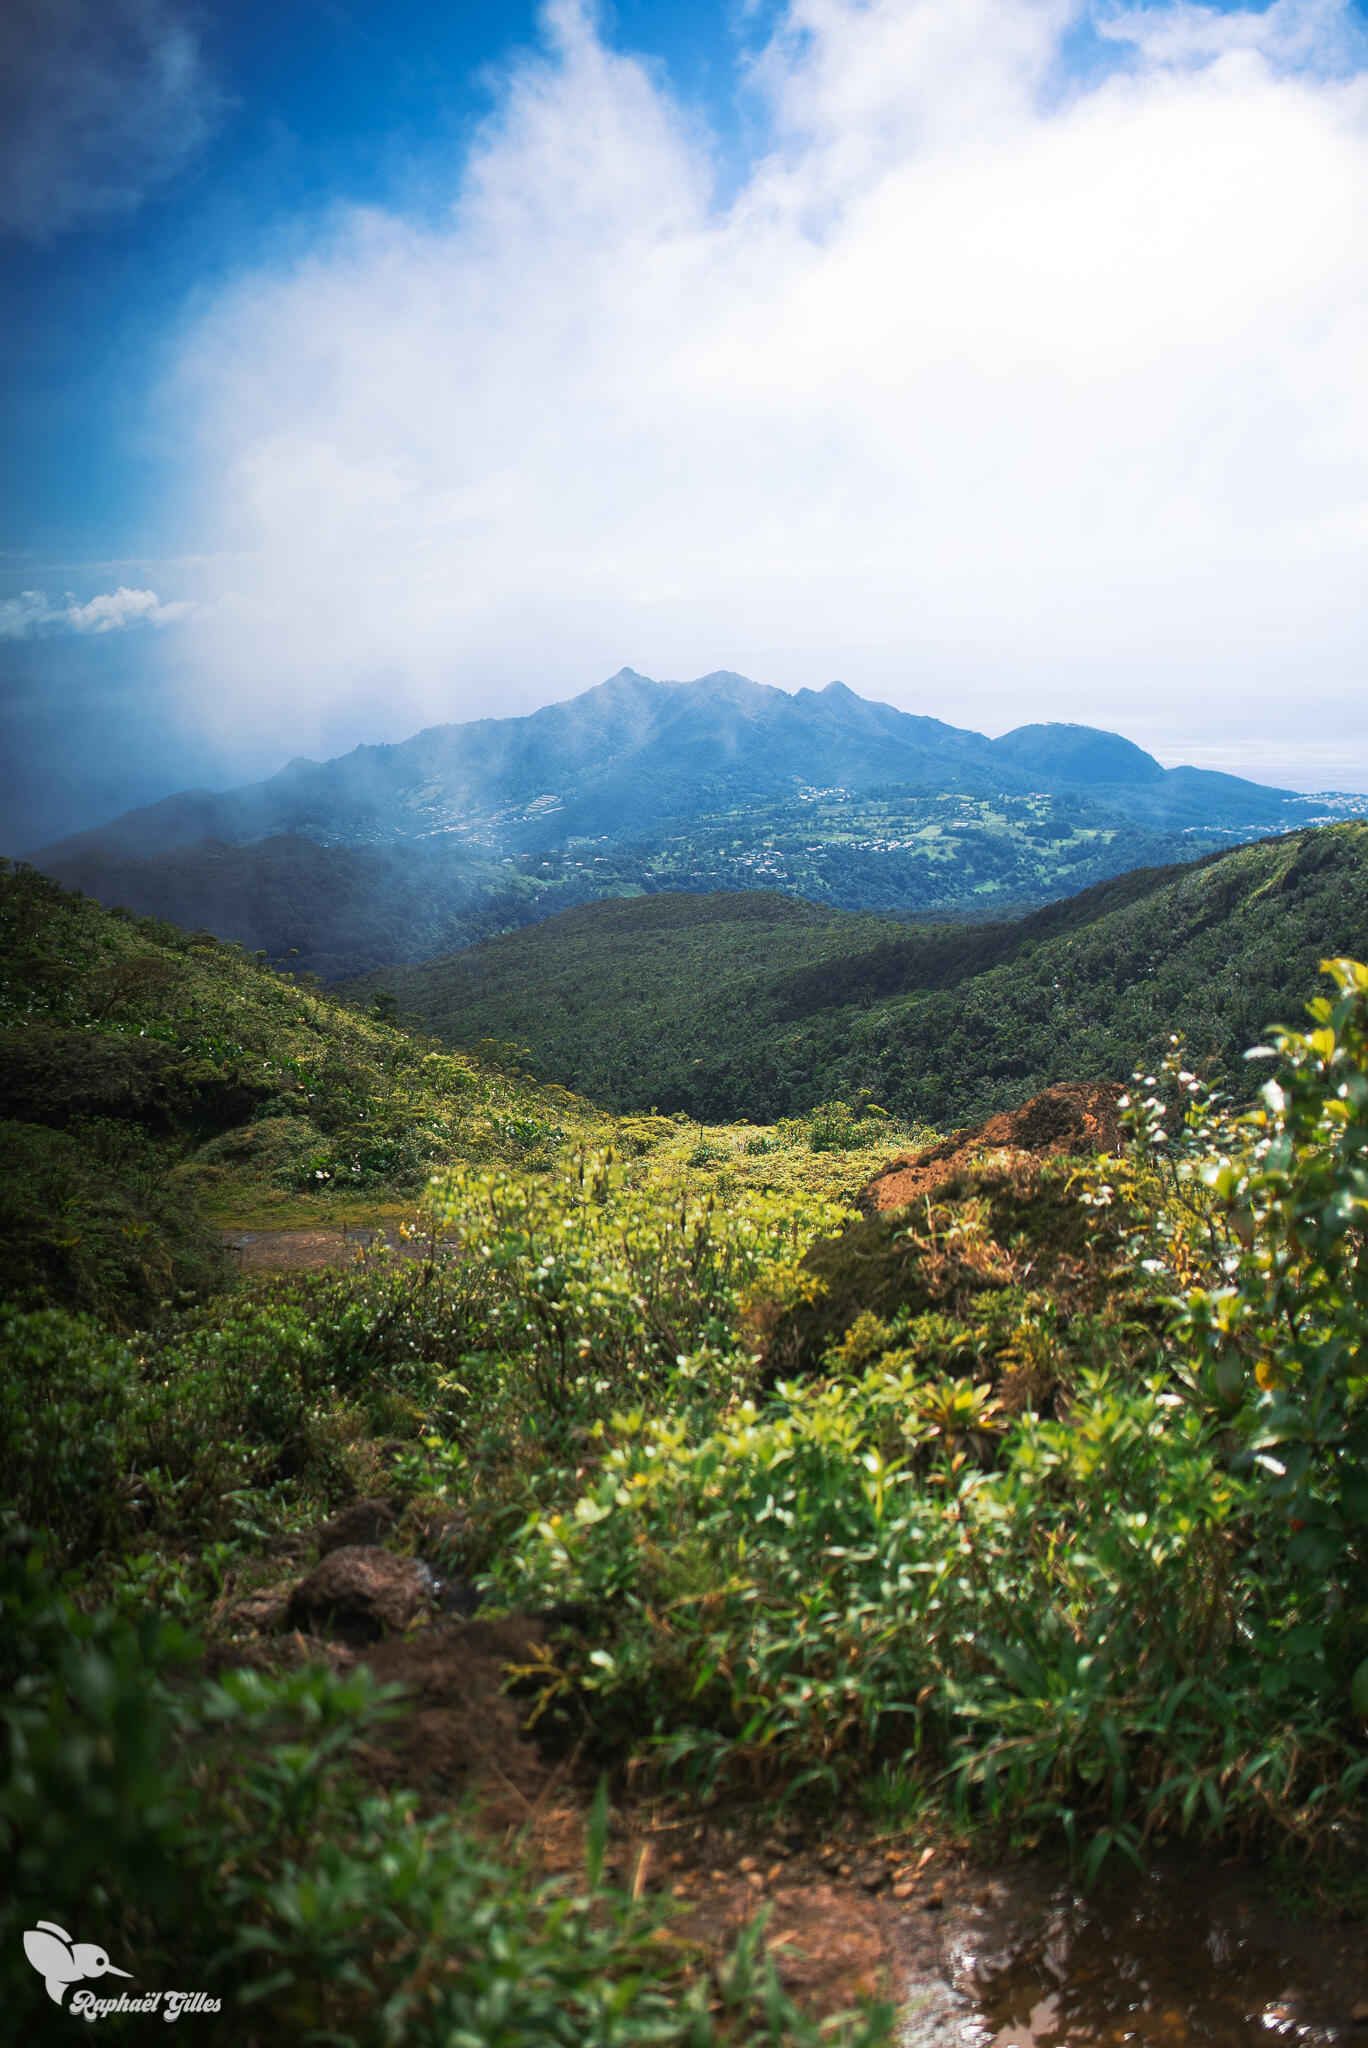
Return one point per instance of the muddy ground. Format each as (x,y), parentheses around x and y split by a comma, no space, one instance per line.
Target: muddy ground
(977,1952)
(308,1250)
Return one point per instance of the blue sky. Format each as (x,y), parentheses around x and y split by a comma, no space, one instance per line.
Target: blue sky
(307,105)
(369,365)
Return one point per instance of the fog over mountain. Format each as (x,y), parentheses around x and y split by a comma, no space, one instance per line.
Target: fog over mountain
(632,754)
(399,853)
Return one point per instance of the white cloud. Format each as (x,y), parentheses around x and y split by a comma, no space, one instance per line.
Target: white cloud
(100,101)
(1001,389)
(34,612)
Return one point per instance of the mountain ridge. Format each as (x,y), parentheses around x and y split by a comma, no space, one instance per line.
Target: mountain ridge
(632,754)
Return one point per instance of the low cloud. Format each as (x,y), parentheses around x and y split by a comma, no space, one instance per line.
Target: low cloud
(33,612)
(101,101)
(1023,376)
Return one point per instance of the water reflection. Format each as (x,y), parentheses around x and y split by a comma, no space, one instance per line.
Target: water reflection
(1155,1965)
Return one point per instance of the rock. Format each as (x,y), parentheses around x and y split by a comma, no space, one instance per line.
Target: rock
(359,1593)
(365,1522)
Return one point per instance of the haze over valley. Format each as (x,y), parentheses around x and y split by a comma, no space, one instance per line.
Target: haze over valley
(400,852)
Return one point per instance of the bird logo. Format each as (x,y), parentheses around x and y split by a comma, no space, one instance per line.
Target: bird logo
(62,1961)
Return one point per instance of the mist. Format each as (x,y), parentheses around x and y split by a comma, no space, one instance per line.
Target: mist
(1022,377)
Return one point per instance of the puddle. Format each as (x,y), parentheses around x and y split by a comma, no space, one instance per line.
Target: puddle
(1164,1963)
(305,1250)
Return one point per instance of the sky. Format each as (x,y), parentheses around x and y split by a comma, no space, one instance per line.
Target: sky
(368,366)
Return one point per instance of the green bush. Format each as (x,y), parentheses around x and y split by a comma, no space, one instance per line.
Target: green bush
(1270,1269)
(64,1427)
(281,1387)
(839,1127)
(1146,1611)
(598,1288)
(836,1580)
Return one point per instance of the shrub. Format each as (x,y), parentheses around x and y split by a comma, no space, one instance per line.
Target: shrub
(839,1127)
(1145,1611)
(598,1287)
(64,1417)
(1270,1269)
(90,1220)
(801,1592)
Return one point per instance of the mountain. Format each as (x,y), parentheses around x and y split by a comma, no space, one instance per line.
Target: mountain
(632,754)
(759,1006)
(398,853)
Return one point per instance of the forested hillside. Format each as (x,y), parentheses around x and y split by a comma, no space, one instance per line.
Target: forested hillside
(154,1082)
(651,1558)
(338,911)
(712,1005)
(332,911)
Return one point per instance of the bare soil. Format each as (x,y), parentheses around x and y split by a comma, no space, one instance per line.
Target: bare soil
(1073,1118)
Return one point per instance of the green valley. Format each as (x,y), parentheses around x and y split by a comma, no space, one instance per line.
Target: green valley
(562,1624)
(340,910)
(758,1006)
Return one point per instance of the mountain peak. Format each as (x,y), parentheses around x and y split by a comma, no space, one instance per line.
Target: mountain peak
(618,760)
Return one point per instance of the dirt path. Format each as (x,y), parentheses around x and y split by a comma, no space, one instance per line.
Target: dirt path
(973,1954)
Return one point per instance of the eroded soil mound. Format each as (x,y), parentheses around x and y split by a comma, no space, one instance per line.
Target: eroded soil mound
(457,1724)
(1072,1117)
(1005,1235)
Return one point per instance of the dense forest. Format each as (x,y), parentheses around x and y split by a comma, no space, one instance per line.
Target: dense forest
(536,1631)
(725,1005)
